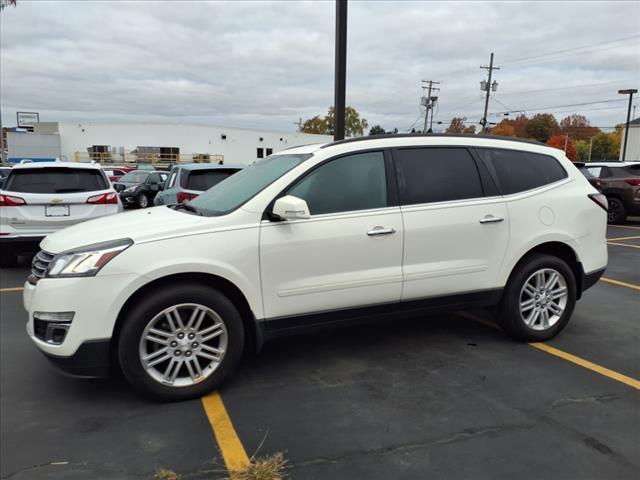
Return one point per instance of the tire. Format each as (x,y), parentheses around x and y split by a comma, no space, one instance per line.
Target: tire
(8,258)
(616,212)
(152,310)
(142,201)
(514,322)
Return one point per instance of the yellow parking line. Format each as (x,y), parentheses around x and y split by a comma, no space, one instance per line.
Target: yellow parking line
(623,238)
(632,382)
(564,355)
(623,245)
(619,283)
(625,226)
(14,289)
(235,457)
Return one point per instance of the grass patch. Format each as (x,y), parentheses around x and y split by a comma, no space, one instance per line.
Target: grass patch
(266,468)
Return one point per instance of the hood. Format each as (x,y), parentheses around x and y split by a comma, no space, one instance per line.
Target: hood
(138,225)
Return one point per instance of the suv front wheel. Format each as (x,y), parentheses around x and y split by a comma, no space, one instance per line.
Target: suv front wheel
(539,298)
(180,342)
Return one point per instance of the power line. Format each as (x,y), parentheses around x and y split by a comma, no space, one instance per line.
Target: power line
(570,87)
(541,55)
(563,106)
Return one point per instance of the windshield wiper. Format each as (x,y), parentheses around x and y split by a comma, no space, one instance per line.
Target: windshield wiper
(188,208)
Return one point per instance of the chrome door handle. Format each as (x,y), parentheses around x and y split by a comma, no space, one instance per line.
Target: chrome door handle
(380,231)
(491,219)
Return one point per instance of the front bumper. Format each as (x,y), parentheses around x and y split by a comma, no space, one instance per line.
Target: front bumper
(128,199)
(91,360)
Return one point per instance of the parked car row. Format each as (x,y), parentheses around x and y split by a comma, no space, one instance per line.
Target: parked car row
(620,182)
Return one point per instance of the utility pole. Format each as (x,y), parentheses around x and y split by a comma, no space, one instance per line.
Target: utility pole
(428,102)
(566,143)
(340,69)
(299,124)
(487,86)
(629,92)
(590,147)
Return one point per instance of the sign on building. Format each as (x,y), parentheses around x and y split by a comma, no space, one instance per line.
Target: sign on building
(27,119)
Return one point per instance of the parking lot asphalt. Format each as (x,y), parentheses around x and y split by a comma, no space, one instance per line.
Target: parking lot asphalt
(444,397)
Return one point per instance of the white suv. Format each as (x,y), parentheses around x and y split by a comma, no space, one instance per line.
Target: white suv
(37,199)
(319,235)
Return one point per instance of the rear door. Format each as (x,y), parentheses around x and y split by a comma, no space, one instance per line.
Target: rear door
(55,197)
(456,226)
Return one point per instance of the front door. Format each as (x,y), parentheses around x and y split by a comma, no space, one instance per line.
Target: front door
(348,254)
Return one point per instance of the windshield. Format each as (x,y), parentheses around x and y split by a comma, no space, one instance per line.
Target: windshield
(236,190)
(134,177)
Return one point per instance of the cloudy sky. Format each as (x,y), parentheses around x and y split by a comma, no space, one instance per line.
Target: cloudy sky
(265,64)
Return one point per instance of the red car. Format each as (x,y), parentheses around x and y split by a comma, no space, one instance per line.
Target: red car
(115,173)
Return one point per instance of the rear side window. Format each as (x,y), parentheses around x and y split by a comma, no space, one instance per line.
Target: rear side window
(346,184)
(202,180)
(633,170)
(518,171)
(428,175)
(56,180)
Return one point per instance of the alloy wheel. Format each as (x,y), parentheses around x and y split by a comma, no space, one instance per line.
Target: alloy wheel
(183,345)
(543,299)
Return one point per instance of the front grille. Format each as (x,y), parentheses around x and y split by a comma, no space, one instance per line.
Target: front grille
(39,266)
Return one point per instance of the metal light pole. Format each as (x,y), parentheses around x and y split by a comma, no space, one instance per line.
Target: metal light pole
(629,92)
(341,69)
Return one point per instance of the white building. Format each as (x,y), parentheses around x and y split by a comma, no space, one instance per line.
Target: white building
(119,142)
(633,144)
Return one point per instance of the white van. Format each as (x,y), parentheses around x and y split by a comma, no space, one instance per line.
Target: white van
(320,235)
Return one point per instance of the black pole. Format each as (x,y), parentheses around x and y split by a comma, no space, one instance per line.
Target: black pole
(341,69)
(626,128)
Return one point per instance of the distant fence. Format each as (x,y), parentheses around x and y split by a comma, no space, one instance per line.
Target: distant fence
(158,160)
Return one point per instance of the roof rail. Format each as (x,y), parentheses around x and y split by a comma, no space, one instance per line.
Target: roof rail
(430,135)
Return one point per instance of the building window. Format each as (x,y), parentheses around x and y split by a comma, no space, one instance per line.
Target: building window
(260,152)
(269,151)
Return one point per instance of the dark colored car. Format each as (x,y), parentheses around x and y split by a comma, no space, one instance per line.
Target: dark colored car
(593,180)
(139,187)
(115,173)
(620,182)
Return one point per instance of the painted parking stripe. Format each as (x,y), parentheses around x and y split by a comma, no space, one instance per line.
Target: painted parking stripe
(632,382)
(619,283)
(233,453)
(623,245)
(13,289)
(624,226)
(636,237)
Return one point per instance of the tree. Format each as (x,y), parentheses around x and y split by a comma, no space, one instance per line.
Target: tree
(542,127)
(559,142)
(603,147)
(582,147)
(578,127)
(353,125)
(504,129)
(471,129)
(519,125)
(377,130)
(456,125)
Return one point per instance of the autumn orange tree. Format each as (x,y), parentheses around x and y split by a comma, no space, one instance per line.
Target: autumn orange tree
(578,127)
(457,126)
(504,129)
(559,142)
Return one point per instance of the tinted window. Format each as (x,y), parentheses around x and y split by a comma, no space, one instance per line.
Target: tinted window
(55,180)
(428,175)
(518,171)
(633,170)
(205,179)
(355,182)
(172,178)
(154,178)
(136,176)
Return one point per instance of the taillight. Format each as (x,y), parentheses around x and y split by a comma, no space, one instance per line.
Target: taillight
(185,197)
(601,200)
(633,181)
(103,199)
(598,181)
(9,201)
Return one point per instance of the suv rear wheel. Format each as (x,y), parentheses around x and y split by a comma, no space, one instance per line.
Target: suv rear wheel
(143,201)
(616,212)
(180,342)
(539,298)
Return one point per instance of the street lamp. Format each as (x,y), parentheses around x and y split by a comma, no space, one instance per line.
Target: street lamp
(629,92)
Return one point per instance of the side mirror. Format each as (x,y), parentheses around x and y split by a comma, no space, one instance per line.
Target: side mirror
(291,208)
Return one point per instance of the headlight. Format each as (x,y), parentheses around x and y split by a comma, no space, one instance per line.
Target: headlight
(86,261)
(129,190)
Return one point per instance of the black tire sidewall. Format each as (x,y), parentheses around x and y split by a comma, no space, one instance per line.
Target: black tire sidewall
(620,217)
(8,257)
(138,317)
(140,197)
(509,312)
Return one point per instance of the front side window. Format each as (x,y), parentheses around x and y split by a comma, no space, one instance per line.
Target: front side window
(233,192)
(135,177)
(354,182)
(518,171)
(428,175)
(55,180)
(172,178)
